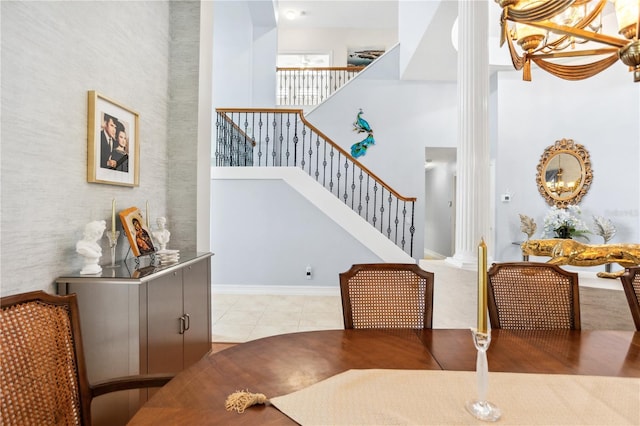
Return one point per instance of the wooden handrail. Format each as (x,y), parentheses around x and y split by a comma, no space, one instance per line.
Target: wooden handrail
(355,68)
(325,137)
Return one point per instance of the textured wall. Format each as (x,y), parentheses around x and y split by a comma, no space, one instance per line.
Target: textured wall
(53,53)
(181,159)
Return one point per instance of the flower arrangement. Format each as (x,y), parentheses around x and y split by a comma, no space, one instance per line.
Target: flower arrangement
(565,223)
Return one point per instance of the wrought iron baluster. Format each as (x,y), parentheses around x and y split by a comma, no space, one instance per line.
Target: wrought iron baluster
(404,224)
(389,220)
(353,184)
(412,229)
(310,152)
(381,208)
(317,172)
(360,178)
(367,198)
(396,220)
(260,139)
(324,164)
(375,196)
(274,124)
(295,143)
(331,155)
(288,137)
(346,175)
(304,133)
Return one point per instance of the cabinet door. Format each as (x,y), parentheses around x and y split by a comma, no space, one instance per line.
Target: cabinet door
(196,280)
(164,295)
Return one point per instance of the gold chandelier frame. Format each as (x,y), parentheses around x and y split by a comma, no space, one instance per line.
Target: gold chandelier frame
(538,50)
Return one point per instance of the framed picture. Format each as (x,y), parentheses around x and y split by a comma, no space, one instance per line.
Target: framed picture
(113,147)
(357,57)
(137,232)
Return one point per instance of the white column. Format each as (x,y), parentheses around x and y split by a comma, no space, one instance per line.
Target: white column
(472,190)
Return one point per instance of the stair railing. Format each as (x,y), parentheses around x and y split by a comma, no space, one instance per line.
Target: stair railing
(284,138)
(310,86)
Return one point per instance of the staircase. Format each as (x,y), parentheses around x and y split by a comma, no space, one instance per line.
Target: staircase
(283,138)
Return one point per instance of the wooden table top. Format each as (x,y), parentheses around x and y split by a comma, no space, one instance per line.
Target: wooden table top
(281,364)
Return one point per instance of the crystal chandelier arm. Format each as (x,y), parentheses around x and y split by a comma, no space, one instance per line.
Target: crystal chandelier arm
(576,72)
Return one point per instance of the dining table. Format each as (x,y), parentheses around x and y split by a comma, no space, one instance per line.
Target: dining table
(284,364)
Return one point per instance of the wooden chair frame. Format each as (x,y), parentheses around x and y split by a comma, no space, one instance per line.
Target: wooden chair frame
(542,318)
(83,391)
(410,269)
(631,284)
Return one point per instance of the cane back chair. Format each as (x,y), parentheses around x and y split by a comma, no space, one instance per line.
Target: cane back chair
(387,295)
(533,296)
(43,377)
(631,284)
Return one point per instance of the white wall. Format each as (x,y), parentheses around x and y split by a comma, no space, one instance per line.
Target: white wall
(266,234)
(53,53)
(232,54)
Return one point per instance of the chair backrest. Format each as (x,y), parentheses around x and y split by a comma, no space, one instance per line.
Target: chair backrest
(533,296)
(631,284)
(43,377)
(387,295)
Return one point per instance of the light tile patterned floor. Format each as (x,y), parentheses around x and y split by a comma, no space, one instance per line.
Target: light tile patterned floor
(242,317)
(239,318)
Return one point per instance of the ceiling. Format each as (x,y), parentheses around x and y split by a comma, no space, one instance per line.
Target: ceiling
(435,56)
(370,14)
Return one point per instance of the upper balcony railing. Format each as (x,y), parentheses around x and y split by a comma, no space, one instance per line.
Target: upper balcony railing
(311,86)
(284,138)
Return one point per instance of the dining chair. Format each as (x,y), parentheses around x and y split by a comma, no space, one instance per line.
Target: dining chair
(43,379)
(631,284)
(387,295)
(532,296)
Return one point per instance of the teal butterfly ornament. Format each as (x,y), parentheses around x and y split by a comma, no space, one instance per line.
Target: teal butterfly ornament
(362,126)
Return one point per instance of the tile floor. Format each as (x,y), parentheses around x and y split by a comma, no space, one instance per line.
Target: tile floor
(241,317)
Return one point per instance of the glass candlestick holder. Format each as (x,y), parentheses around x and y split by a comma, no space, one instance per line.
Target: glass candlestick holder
(112,236)
(480,408)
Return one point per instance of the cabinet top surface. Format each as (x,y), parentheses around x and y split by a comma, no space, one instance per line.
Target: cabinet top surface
(133,271)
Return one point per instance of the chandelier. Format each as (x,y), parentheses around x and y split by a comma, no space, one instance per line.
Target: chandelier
(551,33)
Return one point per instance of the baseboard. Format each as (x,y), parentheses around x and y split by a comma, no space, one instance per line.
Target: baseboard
(276,290)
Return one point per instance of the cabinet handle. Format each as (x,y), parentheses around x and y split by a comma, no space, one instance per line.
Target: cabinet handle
(188,321)
(182,325)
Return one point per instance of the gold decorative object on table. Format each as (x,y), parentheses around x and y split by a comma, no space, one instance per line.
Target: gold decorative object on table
(527,225)
(575,253)
(604,227)
(550,31)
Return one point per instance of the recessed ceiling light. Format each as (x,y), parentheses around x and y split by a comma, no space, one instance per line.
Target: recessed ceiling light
(290,14)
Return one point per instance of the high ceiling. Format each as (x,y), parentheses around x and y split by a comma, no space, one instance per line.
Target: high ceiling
(435,57)
(369,14)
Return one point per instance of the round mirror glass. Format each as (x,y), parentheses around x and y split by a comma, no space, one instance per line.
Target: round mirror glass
(564,173)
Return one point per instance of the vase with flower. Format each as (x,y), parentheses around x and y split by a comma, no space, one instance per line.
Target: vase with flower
(565,223)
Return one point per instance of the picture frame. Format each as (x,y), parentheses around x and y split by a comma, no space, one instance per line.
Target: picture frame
(113,144)
(137,232)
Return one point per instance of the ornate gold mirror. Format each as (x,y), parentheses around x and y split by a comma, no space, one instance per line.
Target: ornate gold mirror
(564,173)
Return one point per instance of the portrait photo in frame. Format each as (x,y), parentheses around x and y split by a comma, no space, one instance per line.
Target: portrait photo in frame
(137,232)
(113,146)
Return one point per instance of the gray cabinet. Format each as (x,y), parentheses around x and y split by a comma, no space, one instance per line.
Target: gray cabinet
(142,319)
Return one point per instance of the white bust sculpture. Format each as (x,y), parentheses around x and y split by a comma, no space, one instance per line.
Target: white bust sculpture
(161,235)
(89,248)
